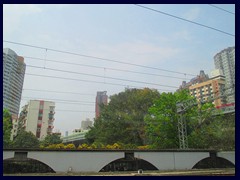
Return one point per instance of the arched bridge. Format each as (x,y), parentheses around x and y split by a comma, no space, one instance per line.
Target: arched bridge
(95,160)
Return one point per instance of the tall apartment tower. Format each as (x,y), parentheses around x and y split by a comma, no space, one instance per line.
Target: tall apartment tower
(101,98)
(225,61)
(13,78)
(38,117)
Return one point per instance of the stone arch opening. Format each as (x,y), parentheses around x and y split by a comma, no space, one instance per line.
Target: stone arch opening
(213,162)
(27,165)
(126,164)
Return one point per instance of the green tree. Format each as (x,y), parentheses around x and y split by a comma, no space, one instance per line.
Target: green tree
(7,128)
(217,132)
(51,139)
(25,139)
(122,120)
(162,120)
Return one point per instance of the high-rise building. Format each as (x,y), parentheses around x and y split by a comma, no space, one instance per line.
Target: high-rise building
(86,124)
(198,79)
(209,89)
(38,117)
(13,77)
(225,61)
(101,99)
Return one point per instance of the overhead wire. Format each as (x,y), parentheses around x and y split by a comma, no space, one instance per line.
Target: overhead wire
(221,9)
(56,110)
(65,92)
(91,81)
(107,77)
(106,68)
(183,19)
(99,58)
(63,100)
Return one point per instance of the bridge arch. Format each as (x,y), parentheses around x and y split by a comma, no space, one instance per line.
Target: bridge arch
(123,164)
(213,162)
(27,165)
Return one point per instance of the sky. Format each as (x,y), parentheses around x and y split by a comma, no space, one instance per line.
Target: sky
(174,49)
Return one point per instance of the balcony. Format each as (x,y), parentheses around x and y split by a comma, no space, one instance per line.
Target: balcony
(50,123)
(52,112)
(51,120)
(50,126)
(49,130)
(50,116)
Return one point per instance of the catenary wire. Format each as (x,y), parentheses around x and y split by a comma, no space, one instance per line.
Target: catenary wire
(56,110)
(45,90)
(120,79)
(107,68)
(221,9)
(90,81)
(161,12)
(61,102)
(99,58)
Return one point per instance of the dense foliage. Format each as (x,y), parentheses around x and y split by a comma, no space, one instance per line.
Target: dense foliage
(25,140)
(51,139)
(162,120)
(7,128)
(122,120)
(136,118)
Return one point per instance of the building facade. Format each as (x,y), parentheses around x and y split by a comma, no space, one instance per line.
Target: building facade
(13,78)
(38,117)
(225,61)
(198,79)
(101,99)
(209,89)
(86,124)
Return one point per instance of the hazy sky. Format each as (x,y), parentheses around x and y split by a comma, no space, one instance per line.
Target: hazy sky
(125,33)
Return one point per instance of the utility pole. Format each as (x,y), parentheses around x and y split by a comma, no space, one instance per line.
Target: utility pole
(182,107)
(182,128)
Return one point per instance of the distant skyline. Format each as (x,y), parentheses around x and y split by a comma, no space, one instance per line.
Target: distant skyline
(125,33)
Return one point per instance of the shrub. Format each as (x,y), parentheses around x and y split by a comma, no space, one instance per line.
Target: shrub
(70,146)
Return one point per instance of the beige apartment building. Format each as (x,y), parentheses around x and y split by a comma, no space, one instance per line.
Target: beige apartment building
(38,117)
(211,88)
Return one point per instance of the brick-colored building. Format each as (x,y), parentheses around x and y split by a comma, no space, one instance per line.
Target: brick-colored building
(211,88)
(101,98)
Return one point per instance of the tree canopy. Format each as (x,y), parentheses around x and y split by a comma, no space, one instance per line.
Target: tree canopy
(25,139)
(51,139)
(203,129)
(122,120)
(7,128)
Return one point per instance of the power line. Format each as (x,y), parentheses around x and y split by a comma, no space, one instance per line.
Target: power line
(221,9)
(56,110)
(120,79)
(61,102)
(94,57)
(90,81)
(44,90)
(100,67)
(161,12)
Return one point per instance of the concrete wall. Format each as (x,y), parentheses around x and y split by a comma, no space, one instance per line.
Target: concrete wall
(229,155)
(79,161)
(94,161)
(172,160)
(8,154)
